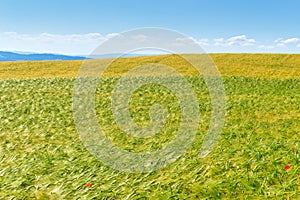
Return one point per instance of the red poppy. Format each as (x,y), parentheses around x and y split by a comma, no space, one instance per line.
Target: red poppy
(287,167)
(88,185)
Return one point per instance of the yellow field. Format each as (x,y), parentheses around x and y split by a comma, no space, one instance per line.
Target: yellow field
(43,156)
(269,66)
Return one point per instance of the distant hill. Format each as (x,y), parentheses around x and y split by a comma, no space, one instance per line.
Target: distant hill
(10,56)
(23,56)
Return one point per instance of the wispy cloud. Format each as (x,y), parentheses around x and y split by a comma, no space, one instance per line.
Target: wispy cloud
(186,40)
(46,42)
(291,40)
(203,42)
(240,40)
(280,42)
(266,46)
(83,44)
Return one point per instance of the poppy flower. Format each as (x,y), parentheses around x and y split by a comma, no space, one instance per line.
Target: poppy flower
(287,167)
(88,185)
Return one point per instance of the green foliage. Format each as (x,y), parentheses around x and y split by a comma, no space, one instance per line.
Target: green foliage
(42,157)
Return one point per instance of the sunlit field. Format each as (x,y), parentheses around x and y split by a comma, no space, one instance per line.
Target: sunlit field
(256,157)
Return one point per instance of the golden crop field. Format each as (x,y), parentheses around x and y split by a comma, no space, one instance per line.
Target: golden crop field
(256,157)
(269,66)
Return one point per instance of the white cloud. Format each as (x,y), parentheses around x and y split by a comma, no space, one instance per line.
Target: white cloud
(240,40)
(191,40)
(219,42)
(52,43)
(186,40)
(203,42)
(283,42)
(266,47)
(278,40)
(237,38)
(84,44)
(54,37)
(291,40)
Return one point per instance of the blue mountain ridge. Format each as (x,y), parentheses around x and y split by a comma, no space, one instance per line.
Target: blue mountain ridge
(25,56)
(10,56)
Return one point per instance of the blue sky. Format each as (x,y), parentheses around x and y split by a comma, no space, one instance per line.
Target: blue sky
(78,26)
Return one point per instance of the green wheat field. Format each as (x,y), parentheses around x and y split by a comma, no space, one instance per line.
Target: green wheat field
(256,157)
